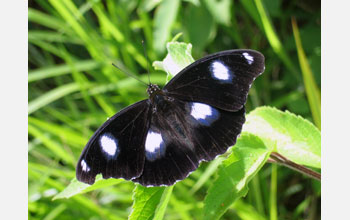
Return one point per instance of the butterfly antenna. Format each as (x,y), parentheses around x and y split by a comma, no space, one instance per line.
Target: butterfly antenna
(129,74)
(144,51)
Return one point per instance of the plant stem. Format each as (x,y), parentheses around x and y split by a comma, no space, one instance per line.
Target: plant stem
(279,159)
(273,193)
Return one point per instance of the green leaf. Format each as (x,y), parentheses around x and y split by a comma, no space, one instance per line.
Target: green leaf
(220,10)
(200,26)
(163,19)
(290,135)
(248,156)
(76,187)
(146,200)
(178,57)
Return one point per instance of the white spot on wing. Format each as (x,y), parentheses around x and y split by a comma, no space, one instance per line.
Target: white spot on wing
(84,166)
(154,145)
(109,144)
(200,111)
(153,141)
(203,113)
(248,57)
(220,71)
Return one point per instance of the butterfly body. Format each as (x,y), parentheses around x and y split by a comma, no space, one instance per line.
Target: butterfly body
(196,116)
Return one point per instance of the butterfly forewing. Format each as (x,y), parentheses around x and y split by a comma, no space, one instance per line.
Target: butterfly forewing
(222,80)
(117,147)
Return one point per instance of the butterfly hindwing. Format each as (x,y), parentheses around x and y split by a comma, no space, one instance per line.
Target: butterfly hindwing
(222,79)
(182,134)
(116,148)
(169,154)
(213,129)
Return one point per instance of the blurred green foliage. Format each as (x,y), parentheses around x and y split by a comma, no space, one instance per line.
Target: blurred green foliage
(73,88)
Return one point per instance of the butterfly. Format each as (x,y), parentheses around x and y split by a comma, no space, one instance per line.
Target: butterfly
(196,116)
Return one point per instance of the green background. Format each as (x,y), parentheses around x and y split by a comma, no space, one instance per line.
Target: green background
(73,88)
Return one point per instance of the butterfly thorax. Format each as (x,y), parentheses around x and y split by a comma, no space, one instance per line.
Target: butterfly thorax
(159,100)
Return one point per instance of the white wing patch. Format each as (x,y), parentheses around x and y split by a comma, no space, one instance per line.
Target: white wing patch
(221,72)
(109,144)
(155,146)
(203,113)
(248,57)
(84,166)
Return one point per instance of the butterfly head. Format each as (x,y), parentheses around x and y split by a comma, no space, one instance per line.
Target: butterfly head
(153,89)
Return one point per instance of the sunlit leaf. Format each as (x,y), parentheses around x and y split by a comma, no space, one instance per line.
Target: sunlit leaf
(290,135)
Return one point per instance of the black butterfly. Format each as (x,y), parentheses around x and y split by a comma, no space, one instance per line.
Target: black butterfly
(196,116)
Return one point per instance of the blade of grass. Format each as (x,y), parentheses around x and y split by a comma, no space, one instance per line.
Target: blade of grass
(58,70)
(312,91)
(259,204)
(105,105)
(272,37)
(68,100)
(35,56)
(54,213)
(68,119)
(51,145)
(52,36)
(246,211)
(252,11)
(163,203)
(51,96)
(118,35)
(53,171)
(212,168)
(46,20)
(72,137)
(79,78)
(47,47)
(77,22)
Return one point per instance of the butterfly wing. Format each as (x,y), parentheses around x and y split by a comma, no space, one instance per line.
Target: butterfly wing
(221,80)
(182,134)
(117,147)
(196,117)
